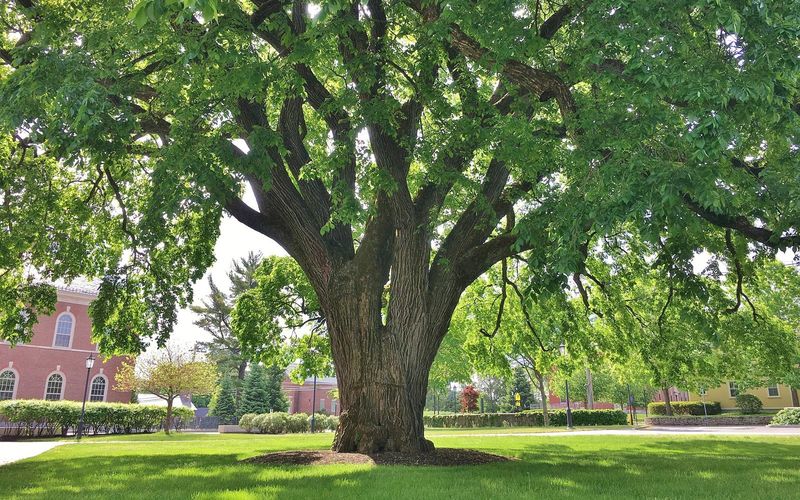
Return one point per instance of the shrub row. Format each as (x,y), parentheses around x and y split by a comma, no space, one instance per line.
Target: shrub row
(528,418)
(685,408)
(48,418)
(787,416)
(285,423)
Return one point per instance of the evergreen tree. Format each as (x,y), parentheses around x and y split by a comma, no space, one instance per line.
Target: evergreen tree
(275,396)
(255,395)
(223,402)
(522,385)
(262,391)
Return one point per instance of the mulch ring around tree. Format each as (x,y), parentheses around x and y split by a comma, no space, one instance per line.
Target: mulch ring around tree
(440,457)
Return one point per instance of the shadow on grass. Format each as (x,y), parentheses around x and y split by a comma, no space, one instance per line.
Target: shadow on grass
(657,469)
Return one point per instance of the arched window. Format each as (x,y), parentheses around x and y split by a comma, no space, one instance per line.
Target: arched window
(54,389)
(98,392)
(65,324)
(8,382)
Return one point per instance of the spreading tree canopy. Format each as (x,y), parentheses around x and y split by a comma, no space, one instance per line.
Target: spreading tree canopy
(396,150)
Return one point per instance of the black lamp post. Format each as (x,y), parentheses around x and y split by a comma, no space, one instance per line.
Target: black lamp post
(313,403)
(89,365)
(563,350)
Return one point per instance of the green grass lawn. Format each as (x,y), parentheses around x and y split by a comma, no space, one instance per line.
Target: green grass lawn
(206,466)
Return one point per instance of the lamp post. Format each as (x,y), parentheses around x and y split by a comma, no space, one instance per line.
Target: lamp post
(89,365)
(563,350)
(631,408)
(314,403)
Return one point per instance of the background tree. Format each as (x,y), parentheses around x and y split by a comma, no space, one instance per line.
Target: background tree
(520,384)
(224,401)
(214,313)
(469,399)
(201,400)
(255,395)
(262,391)
(493,390)
(168,374)
(396,150)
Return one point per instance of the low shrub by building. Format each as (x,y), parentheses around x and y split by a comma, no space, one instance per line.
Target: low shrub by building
(286,423)
(528,418)
(787,416)
(749,404)
(686,408)
(38,418)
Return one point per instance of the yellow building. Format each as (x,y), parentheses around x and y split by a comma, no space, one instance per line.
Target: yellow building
(774,397)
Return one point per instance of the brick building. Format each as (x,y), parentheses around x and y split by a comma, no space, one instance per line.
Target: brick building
(300,396)
(53,364)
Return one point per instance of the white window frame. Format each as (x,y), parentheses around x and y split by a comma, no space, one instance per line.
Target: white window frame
(71,333)
(63,386)
(777,391)
(322,404)
(105,388)
(733,386)
(16,380)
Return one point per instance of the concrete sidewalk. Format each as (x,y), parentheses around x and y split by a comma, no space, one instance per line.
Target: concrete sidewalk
(18,450)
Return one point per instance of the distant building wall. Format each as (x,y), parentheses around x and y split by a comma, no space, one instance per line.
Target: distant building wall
(300,396)
(33,363)
(774,398)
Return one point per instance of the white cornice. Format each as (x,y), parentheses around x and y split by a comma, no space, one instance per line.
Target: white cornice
(75,297)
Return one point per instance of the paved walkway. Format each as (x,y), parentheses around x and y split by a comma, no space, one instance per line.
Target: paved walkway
(645,431)
(17,450)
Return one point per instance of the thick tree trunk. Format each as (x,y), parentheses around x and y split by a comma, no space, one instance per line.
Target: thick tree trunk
(667,403)
(382,368)
(543,395)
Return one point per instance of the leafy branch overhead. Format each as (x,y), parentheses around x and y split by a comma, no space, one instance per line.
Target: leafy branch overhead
(397,151)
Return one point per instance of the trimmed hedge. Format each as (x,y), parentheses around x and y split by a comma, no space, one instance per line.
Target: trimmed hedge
(685,408)
(34,418)
(787,416)
(527,418)
(286,423)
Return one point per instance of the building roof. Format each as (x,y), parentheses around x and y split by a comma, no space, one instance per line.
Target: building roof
(146,398)
(79,285)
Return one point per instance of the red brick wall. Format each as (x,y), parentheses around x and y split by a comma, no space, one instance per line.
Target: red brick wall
(300,397)
(35,361)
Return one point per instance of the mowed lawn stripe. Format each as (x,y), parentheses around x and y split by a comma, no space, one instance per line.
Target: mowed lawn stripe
(206,466)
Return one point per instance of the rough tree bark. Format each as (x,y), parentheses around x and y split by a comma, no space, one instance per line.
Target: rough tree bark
(667,403)
(543,394)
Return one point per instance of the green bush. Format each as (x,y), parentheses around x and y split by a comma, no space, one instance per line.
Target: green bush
(787,416)
(246,422)
(748,404)
(527,418)
(685,408)
(285,423)
(48,418)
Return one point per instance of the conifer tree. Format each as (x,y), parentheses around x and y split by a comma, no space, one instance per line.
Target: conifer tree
(223,402)
(520,384)
(275,396)
(255,395)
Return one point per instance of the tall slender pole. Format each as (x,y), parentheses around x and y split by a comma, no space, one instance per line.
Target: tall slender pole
(569,410)
(630,403)
(313,403)
(83,407)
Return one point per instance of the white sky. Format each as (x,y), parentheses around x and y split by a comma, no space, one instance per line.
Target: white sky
(235,241)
